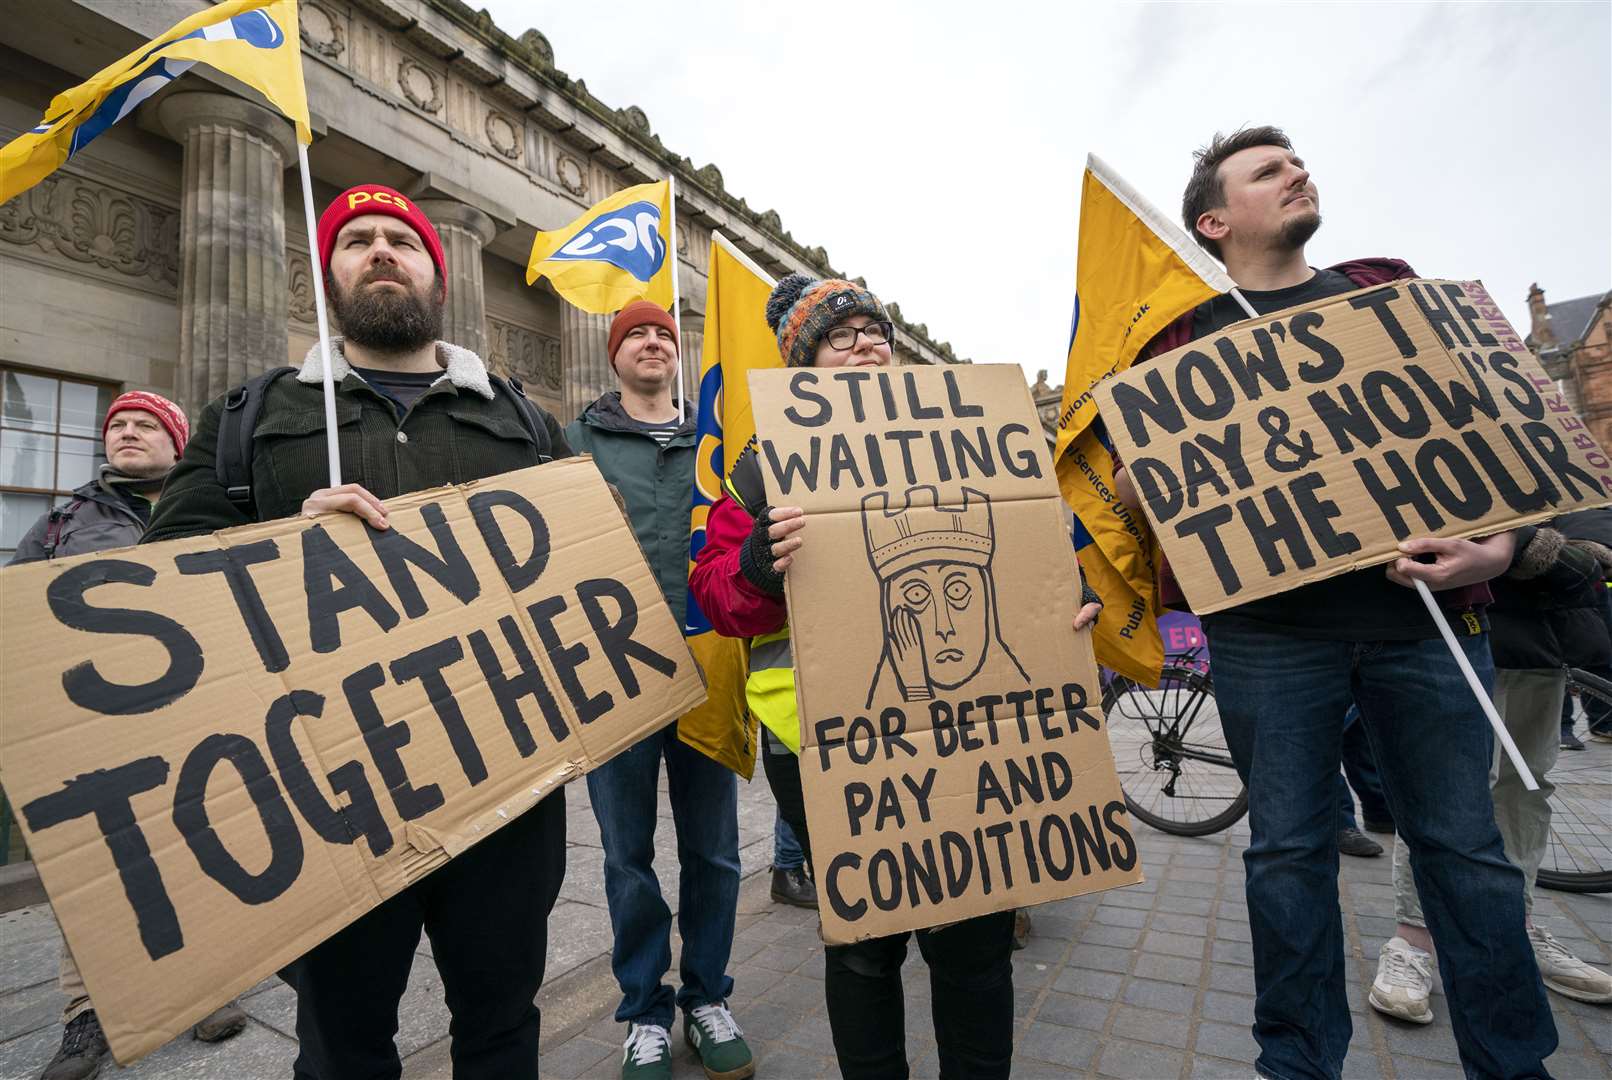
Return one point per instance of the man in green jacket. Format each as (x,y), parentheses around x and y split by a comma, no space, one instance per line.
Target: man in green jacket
(645,446)
(413,412)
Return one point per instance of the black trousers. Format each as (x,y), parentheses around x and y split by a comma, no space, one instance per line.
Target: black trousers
(970,979)
(486,913)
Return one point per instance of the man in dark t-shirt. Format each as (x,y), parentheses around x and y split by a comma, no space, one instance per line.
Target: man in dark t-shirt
(1287,667)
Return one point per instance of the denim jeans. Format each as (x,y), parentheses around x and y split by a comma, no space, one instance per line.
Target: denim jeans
(1282,700)
(705,815)
(1529,700)
(1361,770)
(786,852)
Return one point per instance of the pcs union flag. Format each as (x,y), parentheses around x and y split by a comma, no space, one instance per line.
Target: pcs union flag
(613,254)
(256,41)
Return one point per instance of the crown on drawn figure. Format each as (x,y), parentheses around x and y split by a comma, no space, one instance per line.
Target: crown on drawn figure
(923,530)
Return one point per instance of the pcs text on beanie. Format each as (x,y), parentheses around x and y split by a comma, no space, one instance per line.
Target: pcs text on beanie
(802,309)
(378,199)
(169,415)
(636,314)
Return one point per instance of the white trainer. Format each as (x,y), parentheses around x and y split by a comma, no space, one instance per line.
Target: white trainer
(1404,982)
(647,1054)
(1567,974)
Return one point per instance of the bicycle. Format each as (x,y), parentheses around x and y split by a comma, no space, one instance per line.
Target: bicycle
(1182,781)
(1579,855)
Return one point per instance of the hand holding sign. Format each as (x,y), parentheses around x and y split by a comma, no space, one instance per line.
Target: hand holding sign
(347,499)
(787,521)
(1455,562)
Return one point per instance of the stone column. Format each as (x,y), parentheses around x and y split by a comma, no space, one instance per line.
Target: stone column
(691,348)
(464,231)
(233,294)
(587,374)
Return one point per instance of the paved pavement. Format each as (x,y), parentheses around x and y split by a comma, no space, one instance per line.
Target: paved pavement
(1147,982)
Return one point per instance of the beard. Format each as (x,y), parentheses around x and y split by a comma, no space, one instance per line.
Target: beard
(1296,232)
(383,320)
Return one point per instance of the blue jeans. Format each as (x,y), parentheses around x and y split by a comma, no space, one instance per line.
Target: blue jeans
(1282,701)
(786,852)
(705,814)
(1361,769)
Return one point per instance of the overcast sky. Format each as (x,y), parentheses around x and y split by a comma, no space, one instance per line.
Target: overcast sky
(936,148)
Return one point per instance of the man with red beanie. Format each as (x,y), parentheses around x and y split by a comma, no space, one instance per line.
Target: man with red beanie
(144,435)
(414,413)
(646,449)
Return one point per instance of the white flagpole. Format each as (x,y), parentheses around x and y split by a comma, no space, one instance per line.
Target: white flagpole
(1454,646)
(677,303)
(332,445)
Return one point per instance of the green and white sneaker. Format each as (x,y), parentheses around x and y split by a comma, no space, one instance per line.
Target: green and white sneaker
(647,1054)
(723,1053)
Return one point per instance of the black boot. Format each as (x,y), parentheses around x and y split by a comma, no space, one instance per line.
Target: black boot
(1356,843)
(793,887)
(83,1051)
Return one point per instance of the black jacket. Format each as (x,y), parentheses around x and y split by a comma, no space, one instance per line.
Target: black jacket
(1548,608)
(459,430)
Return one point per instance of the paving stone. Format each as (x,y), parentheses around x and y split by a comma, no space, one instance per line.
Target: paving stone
(1121,937)
(1159,941)
(1232,952)
(1128,1059)
(1423,1069)
(1071,1048)
(1233,1041)
(1184,905)
(1166,997)
(1239,980)
(30,1009)
(1209,1068)
(1100,958)
(575,1057)
(1228,1008)
(1070,1010)
(1109,915)
(1096,984)
(1190,925)
(1150,1026)
(1176,969)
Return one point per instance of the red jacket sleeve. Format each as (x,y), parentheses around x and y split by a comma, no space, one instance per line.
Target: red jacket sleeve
(735,607)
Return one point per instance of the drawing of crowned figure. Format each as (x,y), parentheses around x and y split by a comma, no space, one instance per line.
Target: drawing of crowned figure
(937,595)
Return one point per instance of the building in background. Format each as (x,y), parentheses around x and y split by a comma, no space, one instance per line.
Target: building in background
(1573,339)
(171,254)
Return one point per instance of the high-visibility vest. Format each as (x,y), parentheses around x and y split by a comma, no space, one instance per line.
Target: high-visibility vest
(770,687)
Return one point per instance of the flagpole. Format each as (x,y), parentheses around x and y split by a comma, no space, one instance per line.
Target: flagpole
(677,304)
(1456,651)
(332,445)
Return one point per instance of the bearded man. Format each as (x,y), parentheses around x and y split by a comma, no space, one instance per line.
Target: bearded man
(413,413)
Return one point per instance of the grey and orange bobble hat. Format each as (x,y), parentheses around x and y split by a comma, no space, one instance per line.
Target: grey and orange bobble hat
(802,309)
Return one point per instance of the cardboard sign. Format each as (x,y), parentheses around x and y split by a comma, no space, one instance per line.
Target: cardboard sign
(1306,443)
(953,751)
(224,749)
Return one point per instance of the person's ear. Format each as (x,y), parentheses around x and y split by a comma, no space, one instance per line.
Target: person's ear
(1210,226)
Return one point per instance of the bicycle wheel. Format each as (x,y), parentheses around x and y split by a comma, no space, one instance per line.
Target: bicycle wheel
(1578,857)
(1171,753)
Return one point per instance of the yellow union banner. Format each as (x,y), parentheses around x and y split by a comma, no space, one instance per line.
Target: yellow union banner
(256,41)
(1136,274)
(613,254)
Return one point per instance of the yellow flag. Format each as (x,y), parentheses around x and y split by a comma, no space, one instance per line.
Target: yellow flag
(613,254)
(256,41)
(736,340)
(1136,273)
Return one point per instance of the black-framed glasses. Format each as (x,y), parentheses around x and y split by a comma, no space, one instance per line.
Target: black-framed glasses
(843,338)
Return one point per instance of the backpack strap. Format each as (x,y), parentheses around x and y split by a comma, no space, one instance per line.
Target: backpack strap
(56,522)
(233,456)
(527,411)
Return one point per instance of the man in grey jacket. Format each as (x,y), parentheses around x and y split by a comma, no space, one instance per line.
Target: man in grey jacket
(144,434)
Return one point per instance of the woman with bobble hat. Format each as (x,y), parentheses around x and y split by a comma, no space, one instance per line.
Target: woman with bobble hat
(738,581)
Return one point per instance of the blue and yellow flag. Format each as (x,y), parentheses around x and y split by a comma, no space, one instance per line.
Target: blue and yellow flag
(1136,273)
(736,340)
(613,254)
(256,41)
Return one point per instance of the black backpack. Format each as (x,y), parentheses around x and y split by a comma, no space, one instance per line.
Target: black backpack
(243,405)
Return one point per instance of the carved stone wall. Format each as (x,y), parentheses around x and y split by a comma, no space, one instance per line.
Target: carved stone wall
(530,356)
(70,219)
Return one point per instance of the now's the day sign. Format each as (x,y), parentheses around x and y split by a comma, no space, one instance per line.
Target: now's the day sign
(1302,444)
(224,749)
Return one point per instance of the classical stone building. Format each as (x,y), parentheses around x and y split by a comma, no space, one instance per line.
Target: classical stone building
(172,253)
(1573,339)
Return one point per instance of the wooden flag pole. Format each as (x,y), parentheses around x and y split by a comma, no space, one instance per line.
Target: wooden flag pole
(332,446)
(1454,646)
(677,302)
